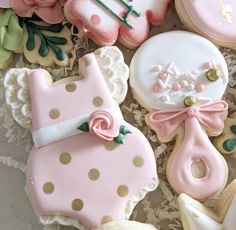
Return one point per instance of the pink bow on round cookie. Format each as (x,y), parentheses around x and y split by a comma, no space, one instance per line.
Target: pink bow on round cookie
(103,125)
(51,11)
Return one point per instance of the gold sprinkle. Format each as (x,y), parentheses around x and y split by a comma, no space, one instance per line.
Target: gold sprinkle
(71,87)
(86,62)
(106,219)
(213,74)
(48,188)
(122,190)
(93,174)
(65,158)
(98,101)
(189,101)
(54,114)
(110,145)
(77,205)
(138,161)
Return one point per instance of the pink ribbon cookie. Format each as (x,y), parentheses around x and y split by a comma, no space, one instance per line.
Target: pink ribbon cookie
(107,21)
(89,166)
(177,83)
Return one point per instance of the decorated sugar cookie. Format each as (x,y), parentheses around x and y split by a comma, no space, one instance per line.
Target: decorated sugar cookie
(196,216)
(89,166)
(107,21)
(226,142)
(215,21)
(177,83)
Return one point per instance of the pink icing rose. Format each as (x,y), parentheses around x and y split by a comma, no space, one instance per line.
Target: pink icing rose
(51,11)
(103,125)
(5,3)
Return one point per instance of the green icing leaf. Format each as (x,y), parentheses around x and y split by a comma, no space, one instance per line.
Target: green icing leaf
(84,127)
(229,145)
(120,139)
(124,130)
(47,41)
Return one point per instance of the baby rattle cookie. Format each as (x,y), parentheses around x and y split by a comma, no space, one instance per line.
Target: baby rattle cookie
(89,166)
(215,21)
(177,83)
(196,216)
(226,142)
(105,22)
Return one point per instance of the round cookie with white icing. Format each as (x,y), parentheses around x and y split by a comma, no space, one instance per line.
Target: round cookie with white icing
(215,21)
(105,22)
(88,166)
(177,83)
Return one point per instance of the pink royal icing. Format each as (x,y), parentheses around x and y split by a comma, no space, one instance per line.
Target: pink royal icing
(217,20)
(51,11)
(5,3)
(97,23)
(195,147)
(83,177)
(104,125)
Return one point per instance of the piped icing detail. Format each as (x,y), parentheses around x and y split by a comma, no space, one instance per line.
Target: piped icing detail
(216,20)
(107,21)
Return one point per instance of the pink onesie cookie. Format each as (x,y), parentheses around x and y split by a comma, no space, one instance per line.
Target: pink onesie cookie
(89,166)
(215,20)
(181,84)
(107,21)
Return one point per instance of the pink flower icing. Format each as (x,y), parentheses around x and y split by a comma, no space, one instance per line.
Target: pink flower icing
(5,3)
(51,11)
(103,125)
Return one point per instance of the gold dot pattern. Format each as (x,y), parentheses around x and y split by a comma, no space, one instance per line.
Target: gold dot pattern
(97,101)
(93,174)
(77,205)
(106,219)
(110,145)
(48,188)
(122,190)
(71,87)
(65,158)
(138,161)
(54,114)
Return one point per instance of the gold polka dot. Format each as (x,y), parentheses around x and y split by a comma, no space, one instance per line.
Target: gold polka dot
(71,87)
(189,101)
(213,74)
(123,190)
(98,101)
(54,114)
(93,174)
(86,62)
(77,205)
(65,158)
(106,219)
(138,161)
(48,188)
(110,145)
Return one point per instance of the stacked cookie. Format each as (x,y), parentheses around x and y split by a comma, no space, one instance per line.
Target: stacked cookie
(89,167)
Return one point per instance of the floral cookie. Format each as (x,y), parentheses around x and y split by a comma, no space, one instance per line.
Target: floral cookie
(177,83)
(196,216)
(226,142)
(107,21)
(215,21)
(89,166)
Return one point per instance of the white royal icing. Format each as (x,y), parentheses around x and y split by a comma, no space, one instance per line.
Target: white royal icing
(181,55)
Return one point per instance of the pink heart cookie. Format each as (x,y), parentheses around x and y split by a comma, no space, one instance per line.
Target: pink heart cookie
(107,21)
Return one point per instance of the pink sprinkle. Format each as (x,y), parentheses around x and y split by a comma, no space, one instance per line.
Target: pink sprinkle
(176,87)
(200,88)
(158,88)
(95,19)
(208,65)
(163,75)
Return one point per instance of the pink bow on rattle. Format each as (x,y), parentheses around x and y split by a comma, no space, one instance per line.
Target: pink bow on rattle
(210,115)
